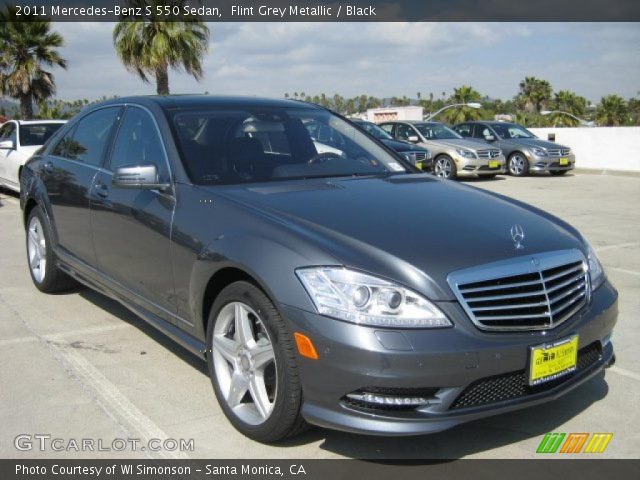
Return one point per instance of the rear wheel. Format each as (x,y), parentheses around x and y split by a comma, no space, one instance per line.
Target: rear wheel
(46,275)
(444,167)
(252,365)
(518,165)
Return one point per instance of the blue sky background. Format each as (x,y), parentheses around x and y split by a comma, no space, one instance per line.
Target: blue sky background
(381,59)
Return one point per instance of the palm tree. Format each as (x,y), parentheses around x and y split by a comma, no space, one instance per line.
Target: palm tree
(534,93)
(463,94)
(26,46)
(611,111)
(567,101)
(151,47)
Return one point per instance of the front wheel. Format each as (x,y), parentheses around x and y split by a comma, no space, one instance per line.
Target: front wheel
(252,365)
(46,275)
(518,165)
(444,167)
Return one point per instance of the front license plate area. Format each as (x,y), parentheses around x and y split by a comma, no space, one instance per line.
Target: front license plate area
(564,161)
(494,164)
(553,360)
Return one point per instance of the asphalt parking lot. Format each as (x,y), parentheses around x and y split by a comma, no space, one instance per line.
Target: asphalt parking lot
(79,365)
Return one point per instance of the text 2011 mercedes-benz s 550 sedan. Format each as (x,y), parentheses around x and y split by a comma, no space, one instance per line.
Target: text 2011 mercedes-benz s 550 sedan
(308,280)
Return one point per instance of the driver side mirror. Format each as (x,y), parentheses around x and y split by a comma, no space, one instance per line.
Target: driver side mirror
(413,138)
(143,177)
(7,145)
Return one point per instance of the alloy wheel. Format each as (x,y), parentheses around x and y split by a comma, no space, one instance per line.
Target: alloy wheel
(244,361)
(517,165)
(443,167)
(37,249)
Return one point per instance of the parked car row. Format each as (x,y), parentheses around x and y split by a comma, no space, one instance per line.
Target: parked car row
(475,148)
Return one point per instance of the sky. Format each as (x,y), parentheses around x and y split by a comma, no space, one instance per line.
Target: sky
(380,59)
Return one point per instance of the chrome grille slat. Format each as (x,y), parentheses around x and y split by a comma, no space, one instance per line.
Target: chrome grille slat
(526,293)
(490,153)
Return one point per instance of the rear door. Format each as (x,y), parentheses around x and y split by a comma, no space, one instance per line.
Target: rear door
(132,227)
(68,174)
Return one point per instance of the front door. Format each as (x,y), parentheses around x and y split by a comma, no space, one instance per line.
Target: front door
(132,227)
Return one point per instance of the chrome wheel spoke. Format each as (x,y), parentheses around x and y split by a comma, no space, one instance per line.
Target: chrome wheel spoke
(237,389)
(262,355)
(244,329)
(227,348)
(36,249)
(258,392)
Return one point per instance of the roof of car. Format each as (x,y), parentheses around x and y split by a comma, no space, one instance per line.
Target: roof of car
(413,122)
(202,101)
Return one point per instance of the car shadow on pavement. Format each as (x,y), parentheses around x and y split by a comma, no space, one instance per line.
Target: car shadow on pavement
(464,440)
(117,310)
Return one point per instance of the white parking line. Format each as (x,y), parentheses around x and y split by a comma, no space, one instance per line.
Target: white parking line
(104,393)
(624,270)
(625,373)
(61,335)
(613,247)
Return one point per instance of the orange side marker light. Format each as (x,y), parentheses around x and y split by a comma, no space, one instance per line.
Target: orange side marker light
(305,346)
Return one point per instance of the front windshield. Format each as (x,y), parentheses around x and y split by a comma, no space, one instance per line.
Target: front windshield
(511,130)
(36,134)
(436,131)
(375,130)
(267,144)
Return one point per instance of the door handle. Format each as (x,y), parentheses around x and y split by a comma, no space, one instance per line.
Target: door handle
(48,167)
(101,190)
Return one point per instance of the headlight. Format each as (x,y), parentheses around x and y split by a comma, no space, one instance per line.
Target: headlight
(596,272)
(365,300)
(466,153)
(539,152)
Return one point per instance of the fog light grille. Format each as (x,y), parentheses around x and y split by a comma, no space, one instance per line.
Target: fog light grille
(380,398)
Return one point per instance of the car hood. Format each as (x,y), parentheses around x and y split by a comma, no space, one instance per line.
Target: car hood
(399,146)
(534,142)
(467,143)
(414,229)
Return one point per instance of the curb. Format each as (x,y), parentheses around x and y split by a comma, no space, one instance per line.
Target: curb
(598,171)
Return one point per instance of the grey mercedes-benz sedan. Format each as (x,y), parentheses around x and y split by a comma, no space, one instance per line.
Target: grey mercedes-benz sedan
(524,151)
(307,280)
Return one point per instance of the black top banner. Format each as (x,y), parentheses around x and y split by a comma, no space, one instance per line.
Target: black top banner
(333,11)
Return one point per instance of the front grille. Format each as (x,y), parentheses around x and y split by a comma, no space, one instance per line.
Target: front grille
(527,293)
(419,156)
(558,152)
(510,386)
(491,153)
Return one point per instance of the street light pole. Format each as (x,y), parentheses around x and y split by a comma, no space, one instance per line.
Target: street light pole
(470,104)
(582,122)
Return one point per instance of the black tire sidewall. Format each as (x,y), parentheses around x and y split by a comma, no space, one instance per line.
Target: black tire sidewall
(288,393)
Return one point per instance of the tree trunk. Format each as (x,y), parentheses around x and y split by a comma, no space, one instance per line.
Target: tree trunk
(162,80)
(26,107)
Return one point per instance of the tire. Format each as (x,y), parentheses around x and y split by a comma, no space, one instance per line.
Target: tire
(518,165)
(41,259)
(445,167)
(241,371)
(558,172)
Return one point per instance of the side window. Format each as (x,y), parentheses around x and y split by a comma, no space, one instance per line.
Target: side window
(482,131)
(403,131)
(464,129)
(388,127)
(88,141)
(138,143)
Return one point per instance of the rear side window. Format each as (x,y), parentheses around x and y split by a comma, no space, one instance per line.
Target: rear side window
(464,130)
(138,143)
(88,140)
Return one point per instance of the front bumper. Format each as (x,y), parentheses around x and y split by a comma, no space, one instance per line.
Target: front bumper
(451,363)
(470,167)
(550,164)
